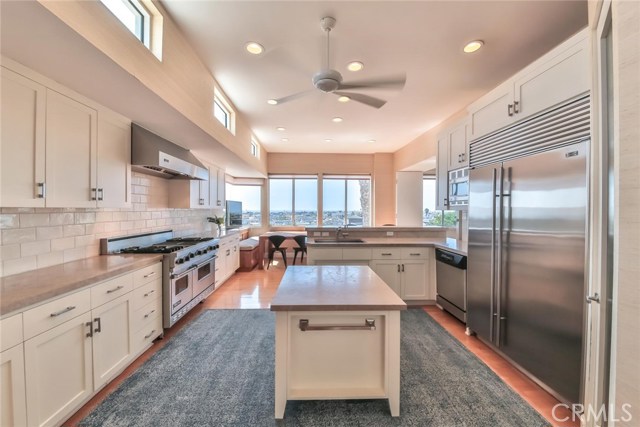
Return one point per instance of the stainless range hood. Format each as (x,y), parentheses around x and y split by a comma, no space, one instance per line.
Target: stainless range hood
(154,155)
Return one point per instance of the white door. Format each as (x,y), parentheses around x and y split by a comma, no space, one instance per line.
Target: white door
(389,271)
(71,153)
(205,193)
(493,111)
(414,280)
(221,188)
(13,406)
(112,338)
(236,255)
(58,371)
(442,177)
(22,141)
(213,187)
(458,147)
(114,162)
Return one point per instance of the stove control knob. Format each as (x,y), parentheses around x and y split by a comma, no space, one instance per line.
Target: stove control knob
(200,252)
(210,248)
(179,260)
(192,255)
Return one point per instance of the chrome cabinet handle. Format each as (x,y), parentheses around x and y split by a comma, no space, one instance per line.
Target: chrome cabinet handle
(149,313)
(149,293)
(403,268)
(94,192)
(510,110)
(153,273)
(516,110)
(150,334)
(369,325)
(594,298)
(64,310)
(386,254)
(42,190)
(100,194)
(414,254)
(117,288)
(398,268)
(99,328)
(90,326)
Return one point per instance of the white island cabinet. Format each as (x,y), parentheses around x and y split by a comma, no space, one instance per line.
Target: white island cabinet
(337,336)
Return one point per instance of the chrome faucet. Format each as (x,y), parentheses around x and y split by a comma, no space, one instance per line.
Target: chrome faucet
(338,230)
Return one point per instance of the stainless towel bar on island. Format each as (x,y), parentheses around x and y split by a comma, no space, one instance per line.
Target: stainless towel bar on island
(369,325)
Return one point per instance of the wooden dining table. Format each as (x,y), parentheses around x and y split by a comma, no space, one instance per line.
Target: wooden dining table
(263,242)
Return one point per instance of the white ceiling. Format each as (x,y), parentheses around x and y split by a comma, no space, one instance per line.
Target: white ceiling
(423,39)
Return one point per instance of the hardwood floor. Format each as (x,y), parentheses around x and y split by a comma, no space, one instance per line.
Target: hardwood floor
(255,289)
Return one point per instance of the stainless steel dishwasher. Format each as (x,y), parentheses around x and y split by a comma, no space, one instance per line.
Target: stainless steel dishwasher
(451,279)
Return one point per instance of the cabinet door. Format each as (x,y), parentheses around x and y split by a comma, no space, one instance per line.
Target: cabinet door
(114,162)
(112,338)
(562,77)
(491,112)
(213,187)
(71,153)
(458,147)
(221,192)
(236,255)
(13,406)
(22,141)
(389,271)
(205,194)
(414,280)
(58,371)
(442,178)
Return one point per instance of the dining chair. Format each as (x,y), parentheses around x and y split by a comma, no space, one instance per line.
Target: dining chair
(301,240)
(275,241)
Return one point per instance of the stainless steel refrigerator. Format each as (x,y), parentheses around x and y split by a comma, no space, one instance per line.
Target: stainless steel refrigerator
(527,237)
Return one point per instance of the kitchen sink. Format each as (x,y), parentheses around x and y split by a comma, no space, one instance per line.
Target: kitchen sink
(333,240)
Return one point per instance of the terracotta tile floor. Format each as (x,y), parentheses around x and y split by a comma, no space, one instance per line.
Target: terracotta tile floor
(255,289)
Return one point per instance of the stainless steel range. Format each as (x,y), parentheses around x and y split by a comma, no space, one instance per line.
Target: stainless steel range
(188,267)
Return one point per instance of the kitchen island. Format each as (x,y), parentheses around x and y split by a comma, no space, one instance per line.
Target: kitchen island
(337,336)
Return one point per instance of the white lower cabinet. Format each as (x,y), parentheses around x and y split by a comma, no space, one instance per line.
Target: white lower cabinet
(389,271)
(13,404)
(228,260)
(58,366)
(112,338)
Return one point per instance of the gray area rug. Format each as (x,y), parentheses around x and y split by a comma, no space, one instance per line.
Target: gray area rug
(219,371)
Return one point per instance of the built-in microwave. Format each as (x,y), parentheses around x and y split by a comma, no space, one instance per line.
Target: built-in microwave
(459,187)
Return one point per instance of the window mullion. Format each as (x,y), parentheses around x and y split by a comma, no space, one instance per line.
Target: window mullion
(346,198)
(293,201)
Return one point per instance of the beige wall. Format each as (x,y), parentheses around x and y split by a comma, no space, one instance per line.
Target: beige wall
(180,79)
(35,238)
(298,163)
(384,189)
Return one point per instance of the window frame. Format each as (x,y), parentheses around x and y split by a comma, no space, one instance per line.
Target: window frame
(239,182)
(255,148)
(220,101)
(442,211)
(346,179)
(293,198)
(142,18)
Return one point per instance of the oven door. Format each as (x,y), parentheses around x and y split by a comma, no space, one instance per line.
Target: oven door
(181,290)
(204,276)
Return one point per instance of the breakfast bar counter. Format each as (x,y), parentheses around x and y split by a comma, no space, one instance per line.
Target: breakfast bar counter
(337,336)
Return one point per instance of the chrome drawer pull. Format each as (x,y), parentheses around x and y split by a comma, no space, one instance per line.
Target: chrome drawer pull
(149,313)
(415,254)
(63,311)
(149,293)
(387,254)
(115,289)
(150,334)
(369,325)
(153,273)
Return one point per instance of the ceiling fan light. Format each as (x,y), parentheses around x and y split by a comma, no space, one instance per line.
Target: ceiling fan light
(254,48)
(355,66)
(336,119)
(344,99)
(272,102)
(472,46)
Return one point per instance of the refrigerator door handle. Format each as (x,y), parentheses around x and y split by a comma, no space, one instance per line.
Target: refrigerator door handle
(498,265)
(492,313)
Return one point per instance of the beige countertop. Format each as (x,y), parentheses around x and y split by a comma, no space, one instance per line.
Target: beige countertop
(334,288)
(453,245)
(20,291)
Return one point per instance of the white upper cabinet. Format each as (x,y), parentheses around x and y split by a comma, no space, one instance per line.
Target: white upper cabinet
(59,149)
(218,188)
(71,131)
(558,76)
(22,141)
(458,157)
(442,172)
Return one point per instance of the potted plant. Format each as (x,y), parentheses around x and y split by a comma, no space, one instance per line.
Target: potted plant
(218,221)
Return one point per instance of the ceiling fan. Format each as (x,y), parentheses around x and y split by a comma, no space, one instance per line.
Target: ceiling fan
(330,81)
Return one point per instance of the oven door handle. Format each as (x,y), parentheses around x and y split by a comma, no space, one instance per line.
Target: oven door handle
(184,273)
(204,263)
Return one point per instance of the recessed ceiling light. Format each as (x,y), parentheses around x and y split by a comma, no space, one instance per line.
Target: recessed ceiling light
(336,119)
(328,140)
(355,66)
(371,140)
(472,46)
(254,48)
(285,139)
(344,99)
(280,128)
(272,102)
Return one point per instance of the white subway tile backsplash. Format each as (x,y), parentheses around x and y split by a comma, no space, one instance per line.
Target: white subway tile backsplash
(48,233)
(61,218)
(73,230)
(50,258)
(86,240)
(74,254)
(85,218)
(34,220)
(35,248)
(8,252)
(104,216)
(63,243)
(18,235)
(20,265)
(9,221)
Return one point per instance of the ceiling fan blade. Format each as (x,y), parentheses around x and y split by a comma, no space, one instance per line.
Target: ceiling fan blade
(364,99)
(390,83)
(294,96)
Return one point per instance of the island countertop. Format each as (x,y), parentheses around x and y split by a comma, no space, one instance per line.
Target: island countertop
(453,245)
(334,288)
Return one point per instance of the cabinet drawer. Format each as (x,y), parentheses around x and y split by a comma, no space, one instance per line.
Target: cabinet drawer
(147,274)
(385,253)
(324,253)
(54,313)
(147,334)
(415,253)
(10,332)
(147,293)
(145,315)
(111,289)
(356,254)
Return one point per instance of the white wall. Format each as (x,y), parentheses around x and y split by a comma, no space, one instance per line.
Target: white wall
(409,199)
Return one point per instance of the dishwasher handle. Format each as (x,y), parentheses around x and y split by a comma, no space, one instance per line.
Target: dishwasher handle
(452,259)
